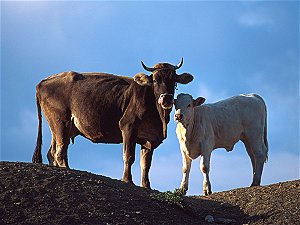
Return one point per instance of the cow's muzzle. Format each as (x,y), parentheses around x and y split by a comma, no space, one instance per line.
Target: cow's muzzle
(166,101)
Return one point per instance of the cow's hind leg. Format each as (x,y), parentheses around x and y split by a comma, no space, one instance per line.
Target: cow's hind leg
(145,163)
(62,140)
(51,153)
(61,154)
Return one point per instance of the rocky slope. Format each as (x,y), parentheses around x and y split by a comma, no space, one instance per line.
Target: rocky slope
(40,194)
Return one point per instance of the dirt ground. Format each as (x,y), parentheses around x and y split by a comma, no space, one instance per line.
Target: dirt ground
(40,194)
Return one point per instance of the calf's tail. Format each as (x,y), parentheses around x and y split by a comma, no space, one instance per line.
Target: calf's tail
(37,155)
(265,136)
(265,127)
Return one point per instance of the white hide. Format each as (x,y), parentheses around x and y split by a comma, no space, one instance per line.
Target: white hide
(203,128)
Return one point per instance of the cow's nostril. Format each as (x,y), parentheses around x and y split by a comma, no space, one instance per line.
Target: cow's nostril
(166,101)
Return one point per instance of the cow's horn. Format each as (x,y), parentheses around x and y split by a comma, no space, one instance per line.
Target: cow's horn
(147,68)
(179,65)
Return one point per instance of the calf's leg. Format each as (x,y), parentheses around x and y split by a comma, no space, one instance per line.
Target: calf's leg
(260,154)
(186,167)
(250,153)
(257,151)
(205,166)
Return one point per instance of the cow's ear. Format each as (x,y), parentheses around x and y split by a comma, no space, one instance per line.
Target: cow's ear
(184,78)
(198,101)
(142,79)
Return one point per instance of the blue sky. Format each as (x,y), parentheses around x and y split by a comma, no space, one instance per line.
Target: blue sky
(231,47)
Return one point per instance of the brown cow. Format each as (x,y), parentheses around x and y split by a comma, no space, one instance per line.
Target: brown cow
(106,108)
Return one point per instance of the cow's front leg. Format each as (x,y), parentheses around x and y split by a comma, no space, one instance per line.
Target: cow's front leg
(128,158)
(128,136)
(145,163)
(205,166)
(186,167)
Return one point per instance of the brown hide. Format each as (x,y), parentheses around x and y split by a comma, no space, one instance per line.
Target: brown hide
(106,108)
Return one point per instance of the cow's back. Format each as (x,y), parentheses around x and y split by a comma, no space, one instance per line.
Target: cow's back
(243,108)
(93,101)
(96,102)
(252,110)
(228,119)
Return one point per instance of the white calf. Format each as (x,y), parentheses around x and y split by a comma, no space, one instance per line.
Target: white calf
(203,128)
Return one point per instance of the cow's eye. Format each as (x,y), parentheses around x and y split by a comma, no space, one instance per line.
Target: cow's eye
(157,80)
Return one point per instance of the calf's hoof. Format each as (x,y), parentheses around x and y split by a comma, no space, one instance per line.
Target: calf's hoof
(207,192)
(255,184)
(180,191)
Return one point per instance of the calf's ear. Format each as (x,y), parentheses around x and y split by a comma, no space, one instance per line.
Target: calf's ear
(199,101)
(184,78)
(142,79)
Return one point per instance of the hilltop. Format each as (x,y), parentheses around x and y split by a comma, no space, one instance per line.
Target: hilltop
(40,194)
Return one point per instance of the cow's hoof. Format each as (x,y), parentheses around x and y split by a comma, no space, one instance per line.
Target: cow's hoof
(128,181)
(147,186)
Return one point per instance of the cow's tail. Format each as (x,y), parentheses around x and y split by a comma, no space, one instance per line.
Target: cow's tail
(37,155)
(265,127)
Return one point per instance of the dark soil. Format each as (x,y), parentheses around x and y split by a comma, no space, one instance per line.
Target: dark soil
(40,194)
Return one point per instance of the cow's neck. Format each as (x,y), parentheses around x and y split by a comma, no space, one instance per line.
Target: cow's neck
(188,132)
(183,135)
(164,115)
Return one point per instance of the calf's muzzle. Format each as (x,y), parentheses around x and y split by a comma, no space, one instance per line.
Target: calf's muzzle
(178,117)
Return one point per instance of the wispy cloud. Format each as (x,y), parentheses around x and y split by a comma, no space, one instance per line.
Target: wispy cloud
(255,18)
(26,125)
(209,94)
